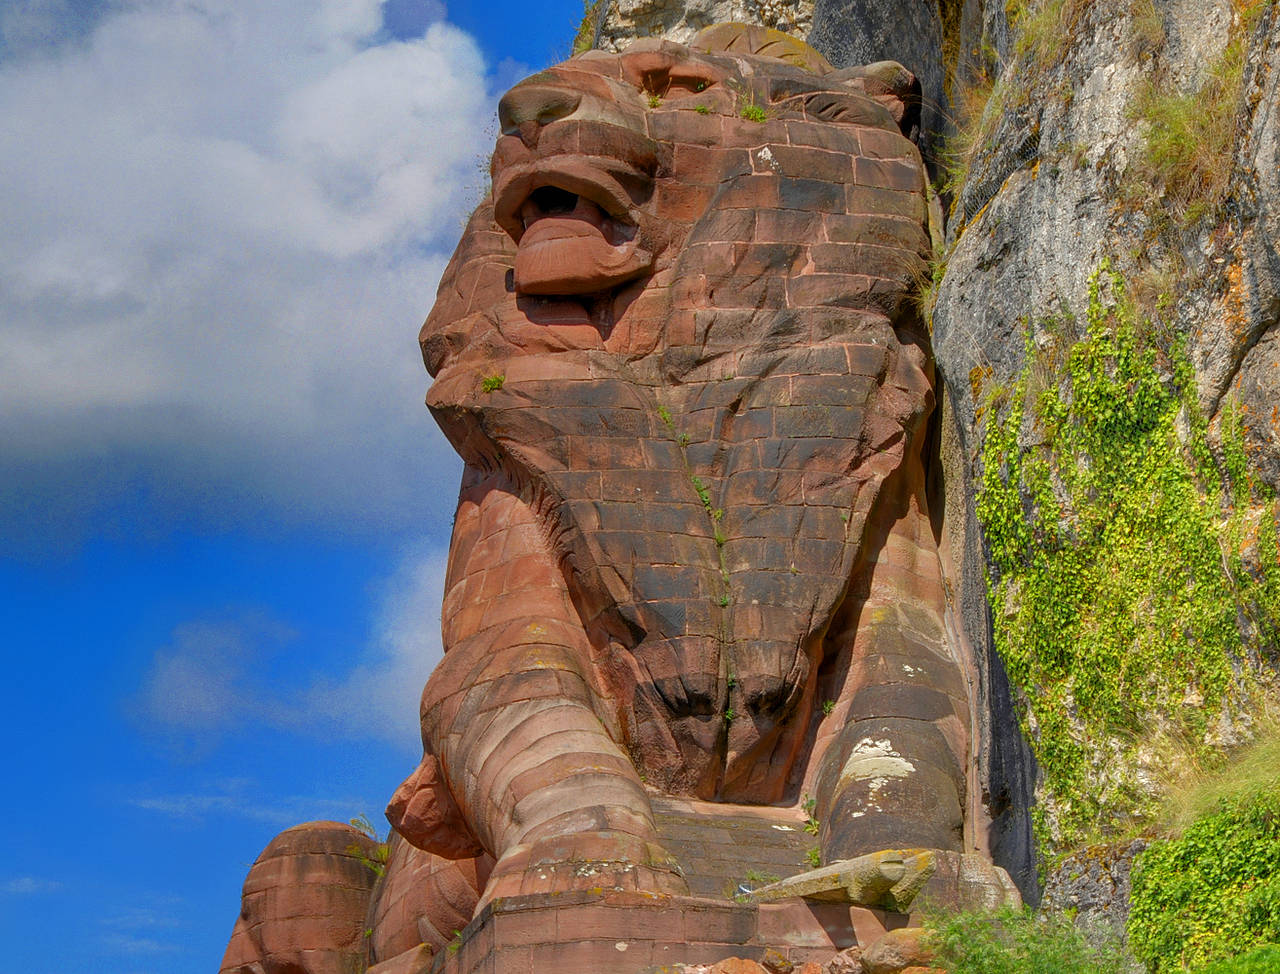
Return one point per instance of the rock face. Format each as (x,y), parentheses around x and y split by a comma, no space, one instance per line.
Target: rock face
(1093,886)
(1057,185)
(680,20)
(696,550)
(908,31)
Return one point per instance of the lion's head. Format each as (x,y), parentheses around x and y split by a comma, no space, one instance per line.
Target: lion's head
(682,322)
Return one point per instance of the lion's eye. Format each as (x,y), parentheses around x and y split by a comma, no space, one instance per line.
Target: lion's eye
(689,82)
(672,84)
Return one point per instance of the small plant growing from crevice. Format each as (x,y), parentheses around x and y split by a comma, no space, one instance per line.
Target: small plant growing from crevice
(730,715)
(827,707)
(754,113)
(814,858)
(702,109)
(377,861)
(492,383)
(654,101)
(455,944)
(809,806)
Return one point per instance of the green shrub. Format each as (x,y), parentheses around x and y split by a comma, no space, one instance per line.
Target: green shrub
(1018,942)
(1264,960)
(1212,892)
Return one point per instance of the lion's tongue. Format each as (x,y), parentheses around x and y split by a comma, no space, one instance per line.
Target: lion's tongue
(569,255)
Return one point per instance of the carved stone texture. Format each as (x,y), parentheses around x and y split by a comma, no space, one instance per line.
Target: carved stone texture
(889,879)
(678,353)
(304,904)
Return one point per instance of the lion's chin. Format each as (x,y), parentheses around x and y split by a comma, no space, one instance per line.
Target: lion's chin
(566,255)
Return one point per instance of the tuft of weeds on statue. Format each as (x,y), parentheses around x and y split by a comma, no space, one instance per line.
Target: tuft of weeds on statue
(377,862)
(1124,609)
(1013,941)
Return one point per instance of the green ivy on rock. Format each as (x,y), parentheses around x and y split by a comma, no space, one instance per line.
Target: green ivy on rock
(1116,586)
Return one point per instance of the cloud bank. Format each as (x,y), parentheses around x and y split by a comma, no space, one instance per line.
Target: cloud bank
(223,222)
(214,677)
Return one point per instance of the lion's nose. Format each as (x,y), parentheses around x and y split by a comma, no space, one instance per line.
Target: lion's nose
(534,103)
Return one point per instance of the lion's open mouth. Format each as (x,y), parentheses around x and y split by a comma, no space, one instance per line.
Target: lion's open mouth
(574,226)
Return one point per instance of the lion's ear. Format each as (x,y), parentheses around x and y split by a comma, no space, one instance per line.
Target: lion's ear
(890,84)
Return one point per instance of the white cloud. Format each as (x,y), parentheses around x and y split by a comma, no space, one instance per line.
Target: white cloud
(212,678)
(123,943)
(380,695)
(240,799)
(223,223)
(28,885)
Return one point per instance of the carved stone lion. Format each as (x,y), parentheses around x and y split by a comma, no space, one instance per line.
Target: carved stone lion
(677,351)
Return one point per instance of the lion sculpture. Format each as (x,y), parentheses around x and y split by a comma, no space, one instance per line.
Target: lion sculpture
(678,353)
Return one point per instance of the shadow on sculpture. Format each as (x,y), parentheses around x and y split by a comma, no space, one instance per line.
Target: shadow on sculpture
(678,353)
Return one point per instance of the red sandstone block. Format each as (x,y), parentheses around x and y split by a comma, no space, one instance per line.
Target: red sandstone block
(524,928)
(823,135)
(590,956)
(889,174)
(815,163)
(681,202)
(768,258)
(752,192)
(884,144)
(732,924)
(793,925)
(709,165)
(692,129)
(885,201)
(830,290)
(601,922)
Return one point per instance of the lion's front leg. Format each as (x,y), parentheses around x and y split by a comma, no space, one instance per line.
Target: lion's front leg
(891,768)
(511,735)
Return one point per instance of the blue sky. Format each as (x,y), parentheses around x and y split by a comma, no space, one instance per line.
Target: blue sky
(223,509)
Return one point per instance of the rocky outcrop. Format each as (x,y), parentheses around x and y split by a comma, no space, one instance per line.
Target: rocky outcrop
(1061,181)
(1093,886)
(625,21)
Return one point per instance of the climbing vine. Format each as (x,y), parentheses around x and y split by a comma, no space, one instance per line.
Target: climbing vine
(1116,582)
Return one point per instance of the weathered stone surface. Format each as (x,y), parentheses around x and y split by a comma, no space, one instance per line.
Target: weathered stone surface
(680,20)
(775,504)
(896,951)
(1044,204)
(889,879)
(693,551)
(304,904)
(852,32)
(846,962)
(1093,887)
